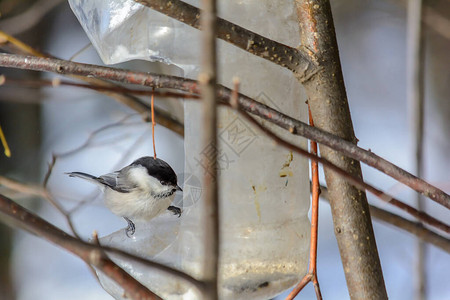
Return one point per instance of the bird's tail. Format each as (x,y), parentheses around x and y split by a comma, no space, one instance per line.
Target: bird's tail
(84,176)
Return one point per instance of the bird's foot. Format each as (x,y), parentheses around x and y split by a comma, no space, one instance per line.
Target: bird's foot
(175,210)
(129,231)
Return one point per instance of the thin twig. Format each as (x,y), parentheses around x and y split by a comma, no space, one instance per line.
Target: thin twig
(44,193)
(4,143)
(314,215)
(84,48)
(48,196)
(252,106)
(30,189)
(96,132)
(4,37)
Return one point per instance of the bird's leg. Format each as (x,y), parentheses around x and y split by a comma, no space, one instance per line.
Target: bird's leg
(175,210)
(131,228)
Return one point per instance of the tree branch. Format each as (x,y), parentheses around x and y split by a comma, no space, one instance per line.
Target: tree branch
(161,117)
(414,228)
(15,215)
(38,83)
(122,95)
(19,216)
(296,60)
(224,94)
(354,180)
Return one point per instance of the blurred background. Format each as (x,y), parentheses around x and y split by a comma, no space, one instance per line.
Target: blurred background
(41,122)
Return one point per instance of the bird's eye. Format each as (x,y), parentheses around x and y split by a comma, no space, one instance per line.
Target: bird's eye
(163,182)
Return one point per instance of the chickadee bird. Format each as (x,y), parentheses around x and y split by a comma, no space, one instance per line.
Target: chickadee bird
(140,191)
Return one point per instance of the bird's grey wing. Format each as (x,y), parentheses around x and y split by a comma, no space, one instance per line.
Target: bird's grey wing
(117,181)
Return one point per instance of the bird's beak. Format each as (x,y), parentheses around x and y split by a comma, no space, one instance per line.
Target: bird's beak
(179,189)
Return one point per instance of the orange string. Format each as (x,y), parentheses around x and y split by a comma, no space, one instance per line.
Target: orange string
(153,124)
(312,270)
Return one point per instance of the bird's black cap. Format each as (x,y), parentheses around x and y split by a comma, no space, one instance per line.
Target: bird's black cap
(158,169)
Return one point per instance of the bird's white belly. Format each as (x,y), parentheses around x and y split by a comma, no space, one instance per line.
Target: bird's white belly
(136,205)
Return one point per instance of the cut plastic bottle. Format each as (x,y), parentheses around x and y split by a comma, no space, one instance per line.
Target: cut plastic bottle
(264,188)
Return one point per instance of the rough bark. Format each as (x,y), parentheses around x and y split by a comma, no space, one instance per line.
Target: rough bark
(328,101)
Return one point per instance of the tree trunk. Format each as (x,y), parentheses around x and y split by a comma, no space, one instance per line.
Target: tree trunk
(328,101)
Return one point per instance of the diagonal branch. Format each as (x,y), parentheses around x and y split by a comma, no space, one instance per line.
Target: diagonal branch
(299,61)
(414,228)
(353,179)
(15,215)
(161,117)
(18,216)
(246,103)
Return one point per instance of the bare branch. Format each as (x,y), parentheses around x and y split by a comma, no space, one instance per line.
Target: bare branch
(161,117)
(414,228)
(15,215)
(34,190)
(354,180)
(296,60)
(38,83)
(18,216)
(252,106)
(418,230)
